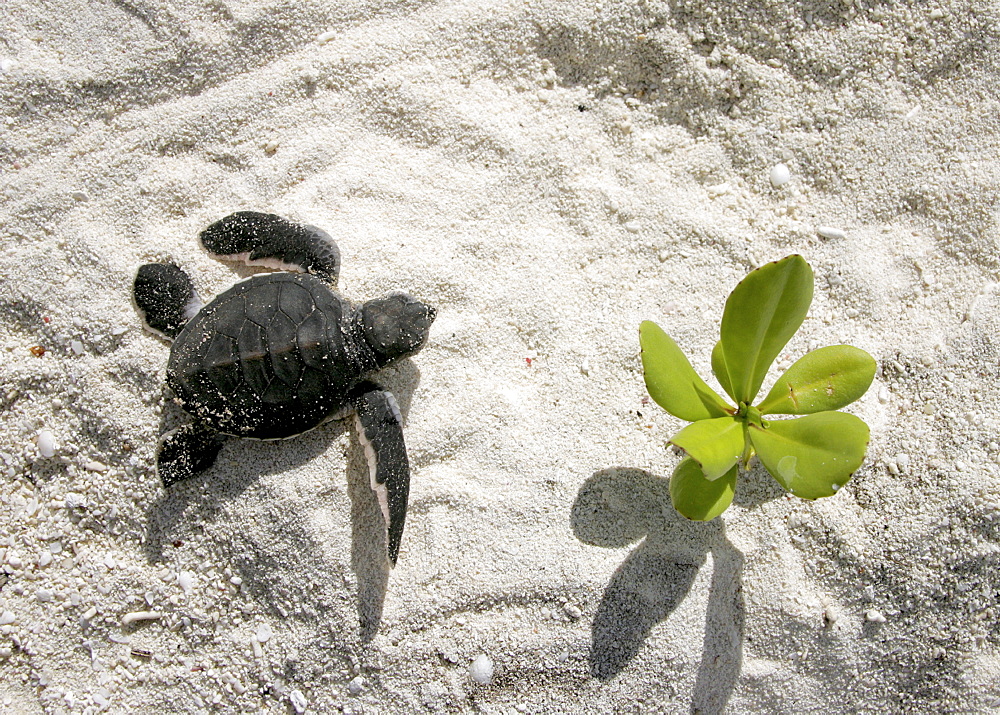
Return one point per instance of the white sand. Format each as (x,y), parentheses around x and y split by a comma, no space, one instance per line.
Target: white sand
(548,174)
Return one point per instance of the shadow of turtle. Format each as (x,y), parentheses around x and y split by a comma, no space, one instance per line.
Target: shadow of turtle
(620,506)
(203,499)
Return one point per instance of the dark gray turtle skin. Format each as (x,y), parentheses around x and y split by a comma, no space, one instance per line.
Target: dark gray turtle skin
(281,353)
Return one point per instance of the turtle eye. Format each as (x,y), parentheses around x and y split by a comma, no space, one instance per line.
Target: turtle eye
(396,326)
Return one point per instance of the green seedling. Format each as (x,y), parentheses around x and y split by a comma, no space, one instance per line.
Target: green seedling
(810,456)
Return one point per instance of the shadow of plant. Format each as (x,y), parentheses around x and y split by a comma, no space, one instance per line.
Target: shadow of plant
(620,506)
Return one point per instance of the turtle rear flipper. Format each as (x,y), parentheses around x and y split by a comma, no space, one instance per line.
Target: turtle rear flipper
(380,428)
(267,240)
(166,297)
(185,451)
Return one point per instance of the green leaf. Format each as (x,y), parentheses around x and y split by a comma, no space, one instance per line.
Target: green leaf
(672,382)
(698,498)
(825,379)
(715,444)
(761,315)
(812,456)
(721,371)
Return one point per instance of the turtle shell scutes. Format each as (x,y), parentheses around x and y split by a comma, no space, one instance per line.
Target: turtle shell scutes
(265,359)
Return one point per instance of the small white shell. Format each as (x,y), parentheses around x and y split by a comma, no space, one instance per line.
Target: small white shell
(831,233)
(264,633)
(481,670)
(46,443)
(780,175)
(185,579)
(140,616)
(299,701)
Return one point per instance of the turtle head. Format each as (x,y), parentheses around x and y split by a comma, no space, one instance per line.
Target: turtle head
(395,326)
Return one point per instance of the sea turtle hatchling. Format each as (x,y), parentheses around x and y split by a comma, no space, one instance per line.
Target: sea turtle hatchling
(280,353)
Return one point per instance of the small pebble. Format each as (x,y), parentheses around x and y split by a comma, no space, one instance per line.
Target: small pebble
(874,616)
(585,366)
(299,701)
(76,346)
(481,670)
(6,618)
(780,175)
(46,443)
(80,196)
(271,147)
(633,226)
(356,686)
(572,611)
(325,37)
(94,466)
(831,233)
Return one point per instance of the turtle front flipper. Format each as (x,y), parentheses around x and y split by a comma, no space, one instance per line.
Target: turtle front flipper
(267,240)
(185,451)
(380,428)
(166,297)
